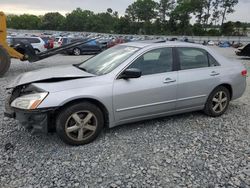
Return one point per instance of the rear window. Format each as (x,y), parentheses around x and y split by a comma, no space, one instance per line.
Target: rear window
(192,58)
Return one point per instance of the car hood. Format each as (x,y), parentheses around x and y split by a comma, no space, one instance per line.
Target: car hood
(52,74)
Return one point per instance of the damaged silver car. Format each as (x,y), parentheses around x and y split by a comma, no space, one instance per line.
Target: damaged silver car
(127,83)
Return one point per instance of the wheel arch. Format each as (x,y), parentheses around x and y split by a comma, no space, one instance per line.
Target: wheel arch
(228,86)
(90,100)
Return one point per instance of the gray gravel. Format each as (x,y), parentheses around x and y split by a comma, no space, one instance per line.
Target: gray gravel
(189,150)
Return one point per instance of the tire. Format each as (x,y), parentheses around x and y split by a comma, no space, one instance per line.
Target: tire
(76,51)
(79,123)
(4,61)
(217,102)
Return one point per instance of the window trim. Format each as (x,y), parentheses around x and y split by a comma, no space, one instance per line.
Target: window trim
(217,63)
(141,54)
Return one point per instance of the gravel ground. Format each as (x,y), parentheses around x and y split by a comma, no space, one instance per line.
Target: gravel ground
(189,150)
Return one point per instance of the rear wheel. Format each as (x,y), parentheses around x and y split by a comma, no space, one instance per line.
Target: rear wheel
(217,102)
(79,123)
(4,61)
(76,51)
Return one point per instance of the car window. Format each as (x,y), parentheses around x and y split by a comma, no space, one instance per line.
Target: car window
(212,61)
(155,61)
(150,56)
(33,40)
(65,40)
(108,60)
(18,40)
(191,58)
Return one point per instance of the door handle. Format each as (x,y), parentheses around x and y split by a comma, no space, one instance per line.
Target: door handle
(214,73)
(169,80)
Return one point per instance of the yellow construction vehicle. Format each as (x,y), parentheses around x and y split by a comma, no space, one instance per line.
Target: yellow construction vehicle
(24,50)
(6,52)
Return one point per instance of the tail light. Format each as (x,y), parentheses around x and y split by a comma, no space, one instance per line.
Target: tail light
(244,73)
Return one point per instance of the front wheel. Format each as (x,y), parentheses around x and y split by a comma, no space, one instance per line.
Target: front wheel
(76,51)
(217,102)
(79,123)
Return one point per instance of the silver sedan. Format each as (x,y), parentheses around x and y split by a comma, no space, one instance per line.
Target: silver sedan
(127,83)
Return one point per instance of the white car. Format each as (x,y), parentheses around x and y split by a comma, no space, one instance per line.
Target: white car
(59,41)
(210,43)
(37,43)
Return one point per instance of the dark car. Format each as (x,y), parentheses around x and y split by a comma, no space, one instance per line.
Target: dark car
(92,47)
(244,51)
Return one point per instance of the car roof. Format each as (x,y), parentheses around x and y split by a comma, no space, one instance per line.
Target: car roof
(144,44)
(18,37)
(151,45)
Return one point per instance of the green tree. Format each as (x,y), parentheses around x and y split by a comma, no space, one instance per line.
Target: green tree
(227,29)
(53,21)
(238,25)
(25,21)
(109,10)
(165,8)
(143,10)
(180,17)
(131,12)
(80,20)
(227,7)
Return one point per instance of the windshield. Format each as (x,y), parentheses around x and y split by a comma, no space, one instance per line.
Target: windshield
(108,60)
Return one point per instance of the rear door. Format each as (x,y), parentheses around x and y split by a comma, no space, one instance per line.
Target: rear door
(199,74)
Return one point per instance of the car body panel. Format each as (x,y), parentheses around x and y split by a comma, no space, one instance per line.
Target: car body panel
(57,72)
(201,82)
(142,96)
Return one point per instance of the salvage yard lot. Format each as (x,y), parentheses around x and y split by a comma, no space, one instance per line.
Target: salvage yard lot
(189,150)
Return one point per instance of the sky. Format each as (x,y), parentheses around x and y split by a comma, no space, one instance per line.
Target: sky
(40,7)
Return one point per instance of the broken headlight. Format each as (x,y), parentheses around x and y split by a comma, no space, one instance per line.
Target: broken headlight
(30,101)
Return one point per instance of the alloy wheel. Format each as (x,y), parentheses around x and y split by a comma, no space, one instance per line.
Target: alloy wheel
(220,101)
(81,125)
(77,51)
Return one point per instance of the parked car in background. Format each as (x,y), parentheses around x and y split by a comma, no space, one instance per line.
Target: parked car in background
(45,38)
(37,43)
(104,43)
(243,51)
(115,42)
(224,44)
(127,83)
(59,41)
(92,47)
(237,45)
(210,43)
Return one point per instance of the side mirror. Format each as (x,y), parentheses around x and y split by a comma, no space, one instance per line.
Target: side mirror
(131,73)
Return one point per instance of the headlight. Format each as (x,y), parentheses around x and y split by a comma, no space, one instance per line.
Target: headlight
(30,101)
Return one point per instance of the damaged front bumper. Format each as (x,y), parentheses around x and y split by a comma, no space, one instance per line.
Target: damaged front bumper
(36,121)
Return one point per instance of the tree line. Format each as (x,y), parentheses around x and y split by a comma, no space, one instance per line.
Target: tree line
(166,17)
